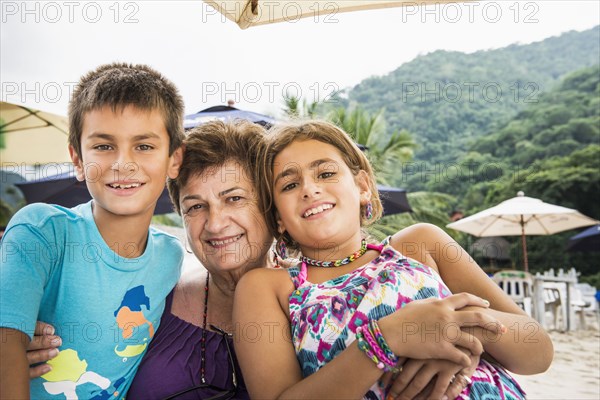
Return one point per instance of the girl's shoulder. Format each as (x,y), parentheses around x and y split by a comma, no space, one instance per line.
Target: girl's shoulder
(420,241)
(267,280)
(417,234)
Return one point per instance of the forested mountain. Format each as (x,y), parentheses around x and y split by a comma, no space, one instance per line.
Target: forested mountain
(552,147)
(448,99)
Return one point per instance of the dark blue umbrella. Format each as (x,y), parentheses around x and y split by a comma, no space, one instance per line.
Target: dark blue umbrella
(225,113)
(394,200)
(588,240)
(65,190)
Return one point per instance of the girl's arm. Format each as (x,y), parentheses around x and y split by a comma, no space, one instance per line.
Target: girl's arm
(526,348)
(268,359)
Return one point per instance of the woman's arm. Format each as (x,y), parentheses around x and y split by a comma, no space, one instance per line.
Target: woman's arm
(526,348)
(14,382)
(42,348)
(266,354)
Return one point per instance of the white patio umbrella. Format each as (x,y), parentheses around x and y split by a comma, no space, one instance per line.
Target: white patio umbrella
(31,136)
(247,13)
(522,216)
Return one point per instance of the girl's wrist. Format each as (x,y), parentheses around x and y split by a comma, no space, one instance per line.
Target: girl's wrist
(389,331)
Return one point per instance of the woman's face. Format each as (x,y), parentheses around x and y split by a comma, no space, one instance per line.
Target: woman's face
(224,226)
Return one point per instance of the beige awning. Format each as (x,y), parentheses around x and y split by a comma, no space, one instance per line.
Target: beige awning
(247,13)
(29,136)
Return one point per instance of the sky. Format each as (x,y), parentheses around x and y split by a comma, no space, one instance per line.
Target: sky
(47,45)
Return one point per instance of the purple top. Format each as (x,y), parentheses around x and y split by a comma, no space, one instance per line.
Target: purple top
(172,362)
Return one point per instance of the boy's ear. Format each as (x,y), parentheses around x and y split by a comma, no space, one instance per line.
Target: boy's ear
(175,161)
(362,181)
(78,163)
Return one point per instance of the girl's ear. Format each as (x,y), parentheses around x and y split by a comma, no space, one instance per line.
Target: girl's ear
(78,163)
(362,181)
(280,225)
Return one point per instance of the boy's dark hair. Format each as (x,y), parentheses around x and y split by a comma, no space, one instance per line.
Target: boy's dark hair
(118,85)
(213,144)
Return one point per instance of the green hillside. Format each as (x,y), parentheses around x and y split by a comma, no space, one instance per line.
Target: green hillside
(448,99)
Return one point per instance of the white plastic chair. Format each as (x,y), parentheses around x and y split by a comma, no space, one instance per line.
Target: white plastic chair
(579,306)
(518,286)
(553,304)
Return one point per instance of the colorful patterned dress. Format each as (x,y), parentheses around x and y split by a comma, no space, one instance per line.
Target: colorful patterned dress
(324,316)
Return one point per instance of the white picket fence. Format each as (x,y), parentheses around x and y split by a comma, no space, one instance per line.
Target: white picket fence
(557,295)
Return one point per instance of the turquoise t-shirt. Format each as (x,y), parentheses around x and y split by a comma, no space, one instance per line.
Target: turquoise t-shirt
(57,268)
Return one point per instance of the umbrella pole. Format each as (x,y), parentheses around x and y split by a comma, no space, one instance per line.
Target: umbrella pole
(524,244)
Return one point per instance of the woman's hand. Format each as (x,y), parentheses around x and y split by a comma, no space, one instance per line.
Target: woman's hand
(431,379)
(431,328)
(42,348)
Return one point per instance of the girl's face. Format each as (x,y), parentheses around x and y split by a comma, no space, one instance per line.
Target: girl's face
(317,197)
(224,226)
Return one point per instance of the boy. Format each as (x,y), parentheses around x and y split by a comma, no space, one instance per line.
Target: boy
(96,272)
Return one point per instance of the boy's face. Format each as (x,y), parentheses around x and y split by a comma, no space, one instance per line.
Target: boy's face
(125,159)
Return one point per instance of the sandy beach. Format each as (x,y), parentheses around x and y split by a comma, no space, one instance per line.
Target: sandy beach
(575,371)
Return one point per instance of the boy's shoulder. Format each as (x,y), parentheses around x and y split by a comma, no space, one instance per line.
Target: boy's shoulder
(39,214)
(160,237)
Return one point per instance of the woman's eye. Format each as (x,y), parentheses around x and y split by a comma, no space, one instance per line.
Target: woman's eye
(235,198)
(193,210)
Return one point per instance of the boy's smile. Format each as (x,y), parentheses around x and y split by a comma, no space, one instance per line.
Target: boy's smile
(124,159)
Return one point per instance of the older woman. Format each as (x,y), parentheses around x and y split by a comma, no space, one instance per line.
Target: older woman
(191,356)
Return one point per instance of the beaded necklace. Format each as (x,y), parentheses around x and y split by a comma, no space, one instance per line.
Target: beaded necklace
(203,339)
(337,263)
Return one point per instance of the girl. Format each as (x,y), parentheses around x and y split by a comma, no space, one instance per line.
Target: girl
(356,311)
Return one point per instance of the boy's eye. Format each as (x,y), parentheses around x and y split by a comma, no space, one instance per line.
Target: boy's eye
(102,147)
(325,175)
(145,147)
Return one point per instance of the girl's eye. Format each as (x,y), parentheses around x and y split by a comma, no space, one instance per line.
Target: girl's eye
(288,187)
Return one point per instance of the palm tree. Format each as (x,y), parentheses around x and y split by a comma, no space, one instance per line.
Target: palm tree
(295,109)
(385,152)
(430,207)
